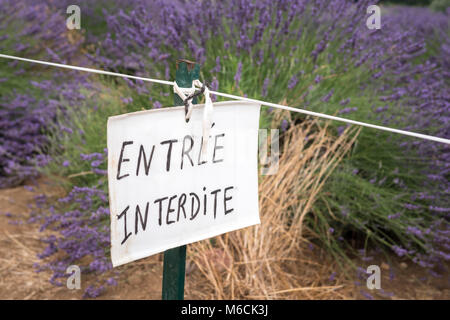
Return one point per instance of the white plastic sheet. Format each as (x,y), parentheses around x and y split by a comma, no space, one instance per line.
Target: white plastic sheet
(163,195)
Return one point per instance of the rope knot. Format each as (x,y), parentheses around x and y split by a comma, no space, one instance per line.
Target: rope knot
(187,95)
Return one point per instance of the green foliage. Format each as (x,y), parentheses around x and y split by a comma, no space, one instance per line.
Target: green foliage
(9,69)
(87,135)
(440,5)
(363,201)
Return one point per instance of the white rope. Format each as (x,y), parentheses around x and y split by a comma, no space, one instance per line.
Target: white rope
(65,66)
(269,104)
(326,116)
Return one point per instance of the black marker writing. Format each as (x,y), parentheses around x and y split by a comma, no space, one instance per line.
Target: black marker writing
(215,200)
(143,221)
(216,147)
(169,210)
(121,159)
(146,165)
(186,152)
(124,215)
(192,207)
(225,199)
(169,151)
(181,202)
(160,200)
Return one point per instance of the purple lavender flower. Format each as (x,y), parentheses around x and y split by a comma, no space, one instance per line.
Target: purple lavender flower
(157,105)
(93,292)
(391,274)
(340,130)
(127,100)
(394,216)
(439,209)
(347,110)
(96,163)
(100,171)
(410,206)
(66,129)
(399,251)
(89,157)
(214,86)
(292,82)
(237,76)
(414,230)
(327,97)
(367,295)
(265,86)
(284,125)
(217,67)
(332,277)
(345,102)
(111,282)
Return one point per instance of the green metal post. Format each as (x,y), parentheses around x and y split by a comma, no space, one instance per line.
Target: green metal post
(175,259)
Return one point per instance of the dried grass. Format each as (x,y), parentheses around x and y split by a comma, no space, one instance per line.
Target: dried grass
(269,261)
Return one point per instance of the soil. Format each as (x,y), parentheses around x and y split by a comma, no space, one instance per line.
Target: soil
(20,244)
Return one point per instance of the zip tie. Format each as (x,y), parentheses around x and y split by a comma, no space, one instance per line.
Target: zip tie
(184,94)
(268,104)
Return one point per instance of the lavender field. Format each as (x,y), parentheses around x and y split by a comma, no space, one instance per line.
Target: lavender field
(343,198)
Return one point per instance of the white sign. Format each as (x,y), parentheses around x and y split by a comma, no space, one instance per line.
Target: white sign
(163,194)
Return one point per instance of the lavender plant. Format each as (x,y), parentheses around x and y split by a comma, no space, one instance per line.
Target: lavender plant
(28,103)
(391,193)
(412,184)
(80,221)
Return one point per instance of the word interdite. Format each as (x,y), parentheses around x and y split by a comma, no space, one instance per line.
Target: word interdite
(164,194)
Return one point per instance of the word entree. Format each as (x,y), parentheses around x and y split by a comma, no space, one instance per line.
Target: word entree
(186,152)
